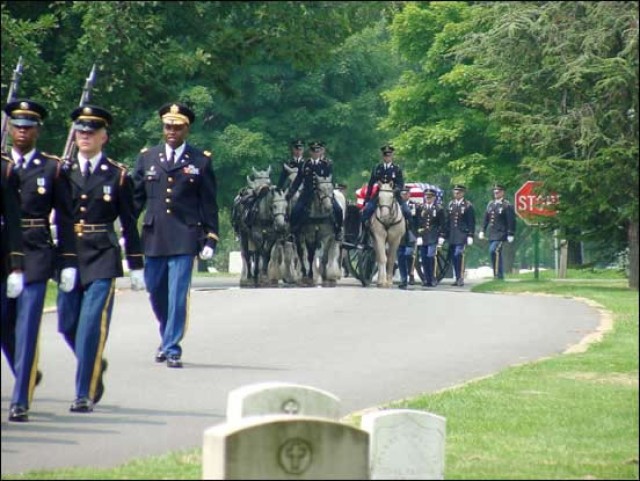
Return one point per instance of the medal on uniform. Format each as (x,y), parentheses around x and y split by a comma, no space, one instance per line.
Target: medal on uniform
(103,167)
(106,191)
(41,182)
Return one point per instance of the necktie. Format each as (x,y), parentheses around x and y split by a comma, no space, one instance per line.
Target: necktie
(172,160)
(87,170)
(20,162)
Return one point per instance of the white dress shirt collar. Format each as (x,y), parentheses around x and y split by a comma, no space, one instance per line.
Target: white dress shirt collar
(25,158)
(179,151)
(93,161)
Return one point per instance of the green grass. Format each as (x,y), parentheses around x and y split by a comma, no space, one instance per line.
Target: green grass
(573,416)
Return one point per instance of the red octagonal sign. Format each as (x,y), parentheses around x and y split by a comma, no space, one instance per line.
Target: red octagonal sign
(530,205)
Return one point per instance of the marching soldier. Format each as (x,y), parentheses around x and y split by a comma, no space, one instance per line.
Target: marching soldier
(500,220)
(11,251)
(321,168)
(431,234)
(386,171)
(102,192)
(461,228)
(177,184)
(295,162)
(44,186)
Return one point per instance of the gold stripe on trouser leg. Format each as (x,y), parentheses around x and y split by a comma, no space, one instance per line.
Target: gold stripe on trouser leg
(435,267)
(188,303)
(498,254)
(34,372)
(462,263)
(104,325)
(495,262)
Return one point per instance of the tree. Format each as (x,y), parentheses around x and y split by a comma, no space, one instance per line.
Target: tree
(562,78)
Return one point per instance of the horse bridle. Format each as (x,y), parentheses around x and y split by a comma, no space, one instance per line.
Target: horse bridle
(324,196)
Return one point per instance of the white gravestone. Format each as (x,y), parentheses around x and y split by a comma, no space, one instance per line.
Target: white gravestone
(285,447)
(405,444)
(281,398)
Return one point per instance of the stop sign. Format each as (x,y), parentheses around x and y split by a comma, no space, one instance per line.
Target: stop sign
(530,205)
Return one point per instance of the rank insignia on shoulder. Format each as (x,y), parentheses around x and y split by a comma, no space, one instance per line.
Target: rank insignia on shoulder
(207,153)
(142,151)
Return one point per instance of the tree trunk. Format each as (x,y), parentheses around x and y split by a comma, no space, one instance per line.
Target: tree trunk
(633,254)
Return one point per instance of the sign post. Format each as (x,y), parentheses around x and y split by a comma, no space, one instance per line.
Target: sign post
(531,206)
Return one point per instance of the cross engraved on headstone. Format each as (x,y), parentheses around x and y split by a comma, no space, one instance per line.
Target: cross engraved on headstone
(291,406)
(295,456)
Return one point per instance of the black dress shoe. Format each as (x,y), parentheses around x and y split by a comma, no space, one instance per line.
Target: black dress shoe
(460,283)
(160,356)
(100,387)
(174,361)
(81,405)
(18,414)
(402,285)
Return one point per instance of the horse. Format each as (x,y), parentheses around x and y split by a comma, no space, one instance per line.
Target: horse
(259,220)
(387,228)
(284,263)
(317,247)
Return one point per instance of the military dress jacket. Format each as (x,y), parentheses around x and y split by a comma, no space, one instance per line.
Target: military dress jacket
(44,186)
(11,250)
(499,220)
(284,175)
(462,222)
(381,173)
(431,223)
(98,201)
(181,209)
(306,175)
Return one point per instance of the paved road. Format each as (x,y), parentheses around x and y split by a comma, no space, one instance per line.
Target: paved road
(366,346)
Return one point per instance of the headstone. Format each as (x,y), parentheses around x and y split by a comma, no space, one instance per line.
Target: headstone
(281,398)
(285,447)
(235,262)
(405,444)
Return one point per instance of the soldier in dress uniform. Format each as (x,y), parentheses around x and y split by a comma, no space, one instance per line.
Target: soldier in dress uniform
(461,229)
(294,162)
(11,251)
(44,186)
(102,191)
(500,220)
(176,183)
(386,171)
(431,233)
(305,178)
(406,249)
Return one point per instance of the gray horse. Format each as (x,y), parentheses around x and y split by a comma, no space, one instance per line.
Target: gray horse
(317,247)
(387,228)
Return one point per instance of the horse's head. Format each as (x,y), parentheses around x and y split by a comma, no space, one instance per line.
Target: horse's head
(386,195)
(261,179)
(323,187)
(279,207)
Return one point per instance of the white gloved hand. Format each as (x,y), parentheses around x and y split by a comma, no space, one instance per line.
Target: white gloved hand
(419,241)
(469,240)
(207,253)
(15,284)
(509,239)
(440,241)
(67,279)
(481,235)
(137,280)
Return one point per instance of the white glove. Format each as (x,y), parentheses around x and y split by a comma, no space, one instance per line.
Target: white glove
(481,235)
(509,239)
(15,284)
(440,241)
(419,241)
(67,279)
(137,280)
(469,240)
(207,253)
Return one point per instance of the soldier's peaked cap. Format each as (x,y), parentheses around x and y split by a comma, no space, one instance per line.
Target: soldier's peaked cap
(88,118)
(430,190)
(498,187)
(176,113)
(459,187)
(386,148)
(25,113)
(297,143)
(315,145)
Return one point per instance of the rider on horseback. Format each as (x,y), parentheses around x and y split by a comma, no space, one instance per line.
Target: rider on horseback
(315,166)
(385,172)
(295,162)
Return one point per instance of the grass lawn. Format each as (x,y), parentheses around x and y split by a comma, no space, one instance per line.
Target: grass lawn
(574,416)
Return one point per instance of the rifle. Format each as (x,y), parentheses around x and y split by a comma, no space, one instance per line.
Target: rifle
(70,145)
(13,91)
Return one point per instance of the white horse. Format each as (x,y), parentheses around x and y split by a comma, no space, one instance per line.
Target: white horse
(284,263)
(387,228)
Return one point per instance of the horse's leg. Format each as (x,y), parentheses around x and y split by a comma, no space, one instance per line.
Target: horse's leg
(246,262)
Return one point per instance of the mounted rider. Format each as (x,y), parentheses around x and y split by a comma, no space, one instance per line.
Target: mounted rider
(244,202)
(314,166)
(292,164)
(385,172)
